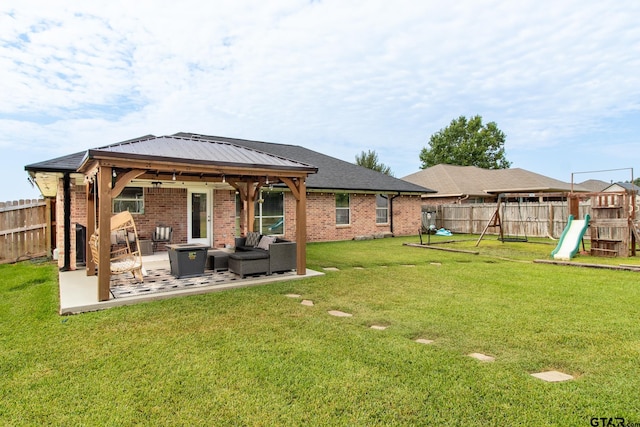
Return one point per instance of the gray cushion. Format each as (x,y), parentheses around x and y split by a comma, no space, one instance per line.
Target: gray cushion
(265,241)
(253,238)
(256,254)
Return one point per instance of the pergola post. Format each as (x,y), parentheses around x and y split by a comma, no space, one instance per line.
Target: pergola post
(104,231)
(298,188)
(91,228)
(301,228)
(251,207)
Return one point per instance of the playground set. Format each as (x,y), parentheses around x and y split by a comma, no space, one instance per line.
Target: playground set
(614,229)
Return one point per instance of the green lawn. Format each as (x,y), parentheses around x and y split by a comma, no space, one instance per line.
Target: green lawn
(256,357)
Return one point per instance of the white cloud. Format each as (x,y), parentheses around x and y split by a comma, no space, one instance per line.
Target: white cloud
(337,76)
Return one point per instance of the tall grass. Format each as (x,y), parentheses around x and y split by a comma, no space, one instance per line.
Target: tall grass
(256,357)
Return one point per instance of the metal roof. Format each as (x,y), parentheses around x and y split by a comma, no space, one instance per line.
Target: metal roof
(197,151)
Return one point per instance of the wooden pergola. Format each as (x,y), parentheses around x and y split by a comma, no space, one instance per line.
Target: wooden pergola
(107,173)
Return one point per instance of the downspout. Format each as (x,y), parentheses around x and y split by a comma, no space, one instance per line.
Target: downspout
(67,222)
(391,212)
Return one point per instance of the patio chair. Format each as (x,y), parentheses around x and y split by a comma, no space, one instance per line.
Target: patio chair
(162,234)
(124,256)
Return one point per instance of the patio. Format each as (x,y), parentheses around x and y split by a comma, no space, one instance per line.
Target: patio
(79,292)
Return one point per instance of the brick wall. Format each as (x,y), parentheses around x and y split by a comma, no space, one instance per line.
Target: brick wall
(406,215)
(224,218)
(163,206)
(168,206)
(321,217)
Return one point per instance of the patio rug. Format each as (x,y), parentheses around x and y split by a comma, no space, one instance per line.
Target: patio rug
(161,280)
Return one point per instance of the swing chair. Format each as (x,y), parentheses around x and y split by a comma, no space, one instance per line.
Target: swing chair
(125,256)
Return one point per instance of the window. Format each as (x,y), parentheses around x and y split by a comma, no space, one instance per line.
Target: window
(131,199)
(269,213)
(382,209)
(342,209)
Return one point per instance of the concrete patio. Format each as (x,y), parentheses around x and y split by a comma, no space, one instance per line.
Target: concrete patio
(79,292)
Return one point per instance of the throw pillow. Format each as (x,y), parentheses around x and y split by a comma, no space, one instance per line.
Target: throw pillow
(265,242)
(253,238)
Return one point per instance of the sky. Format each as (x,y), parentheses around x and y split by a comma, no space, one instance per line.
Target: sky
(560,78)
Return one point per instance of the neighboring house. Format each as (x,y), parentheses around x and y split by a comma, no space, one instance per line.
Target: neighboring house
(469,184)
(626,187)
(594,185)
(211,189)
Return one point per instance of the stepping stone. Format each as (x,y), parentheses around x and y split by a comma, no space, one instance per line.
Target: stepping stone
(378,327)
(552,376)
(307,302)
(438,264)
(293,295)
(331,269)
(408,265)
(482,357)
(424,341)
(358,268)
(339,313)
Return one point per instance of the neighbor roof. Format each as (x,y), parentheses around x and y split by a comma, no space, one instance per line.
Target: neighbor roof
(459,181)
(594,185)
(627,186)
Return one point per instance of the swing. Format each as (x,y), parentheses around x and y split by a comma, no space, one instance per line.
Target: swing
(514,238)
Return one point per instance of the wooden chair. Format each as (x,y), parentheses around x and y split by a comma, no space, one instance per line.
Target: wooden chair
(125,254)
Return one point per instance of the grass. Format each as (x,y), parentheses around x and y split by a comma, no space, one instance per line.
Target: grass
(255,357)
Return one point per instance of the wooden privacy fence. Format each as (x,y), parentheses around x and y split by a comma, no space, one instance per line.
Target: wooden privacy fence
(530,219)
(23,230)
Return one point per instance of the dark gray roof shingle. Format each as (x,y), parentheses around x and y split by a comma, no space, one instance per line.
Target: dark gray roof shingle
(333,174)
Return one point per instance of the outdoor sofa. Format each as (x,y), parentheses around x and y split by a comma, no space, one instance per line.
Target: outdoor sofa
(258,254)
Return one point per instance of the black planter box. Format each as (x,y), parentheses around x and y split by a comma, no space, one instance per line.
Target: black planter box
(187,259)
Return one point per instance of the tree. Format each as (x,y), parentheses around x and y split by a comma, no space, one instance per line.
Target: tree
(467,143)
(369,160)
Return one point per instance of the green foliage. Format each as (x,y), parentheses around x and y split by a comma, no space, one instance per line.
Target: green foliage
(467,143)
(253,356)
(369,160)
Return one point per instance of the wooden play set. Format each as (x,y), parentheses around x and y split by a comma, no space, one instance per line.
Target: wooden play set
(613,225)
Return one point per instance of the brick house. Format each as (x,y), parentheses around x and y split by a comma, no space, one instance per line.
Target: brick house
(201,187)
(470,184)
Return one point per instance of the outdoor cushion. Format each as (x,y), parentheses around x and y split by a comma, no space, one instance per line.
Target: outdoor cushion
(265,241)
(253,238)
(163,233)
(255,254)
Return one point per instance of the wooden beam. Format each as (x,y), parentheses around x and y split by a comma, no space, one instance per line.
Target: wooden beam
(123,179)
(292,186)
(251,208)
(91,228)
(298,188)
(463,251)
(192,167)
(104,230)
(301,228)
